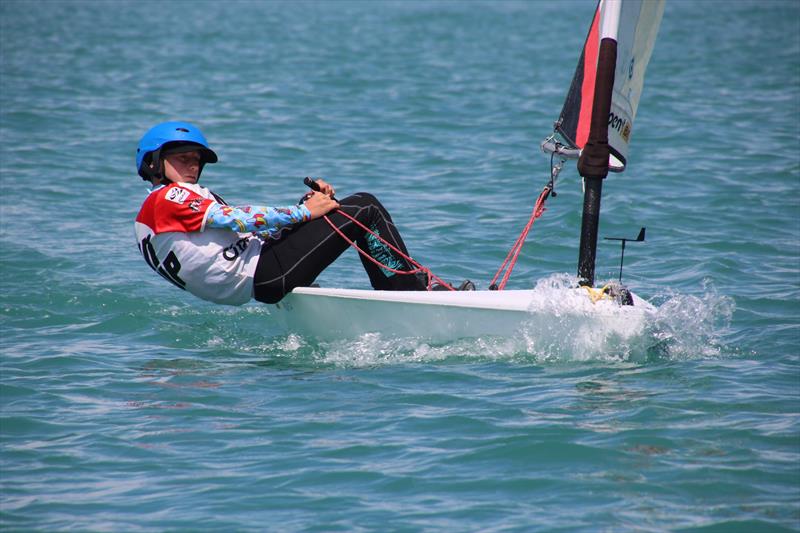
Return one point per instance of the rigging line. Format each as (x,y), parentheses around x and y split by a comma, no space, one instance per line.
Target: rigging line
(418,267)
(513,254)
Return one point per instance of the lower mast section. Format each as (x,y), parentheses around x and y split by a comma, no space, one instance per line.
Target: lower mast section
(593,163)
(589,230)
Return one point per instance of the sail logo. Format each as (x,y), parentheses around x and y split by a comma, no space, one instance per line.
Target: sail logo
(620,125)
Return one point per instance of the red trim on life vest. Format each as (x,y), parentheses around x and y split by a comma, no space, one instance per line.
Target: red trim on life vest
(163,216)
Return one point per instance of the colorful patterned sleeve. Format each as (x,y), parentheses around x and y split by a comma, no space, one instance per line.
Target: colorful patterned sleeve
(265,221)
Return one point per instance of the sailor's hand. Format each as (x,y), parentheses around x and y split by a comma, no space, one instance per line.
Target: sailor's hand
(320,204)
(325,188)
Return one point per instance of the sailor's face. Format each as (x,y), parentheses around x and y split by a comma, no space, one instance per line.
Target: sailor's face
(183,167)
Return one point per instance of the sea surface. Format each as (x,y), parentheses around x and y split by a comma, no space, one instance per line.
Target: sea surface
(128,405)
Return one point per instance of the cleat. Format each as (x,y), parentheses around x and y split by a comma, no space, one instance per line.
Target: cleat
(466,285)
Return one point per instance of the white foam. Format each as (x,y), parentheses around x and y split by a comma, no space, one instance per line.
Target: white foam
(691,327)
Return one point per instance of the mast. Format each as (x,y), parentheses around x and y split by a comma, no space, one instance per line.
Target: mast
(593,162)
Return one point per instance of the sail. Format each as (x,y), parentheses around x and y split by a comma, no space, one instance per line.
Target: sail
(633,24)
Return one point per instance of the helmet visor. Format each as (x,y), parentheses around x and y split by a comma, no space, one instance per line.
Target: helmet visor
(207,155)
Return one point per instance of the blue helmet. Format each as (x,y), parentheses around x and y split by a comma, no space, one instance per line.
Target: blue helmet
(170,136)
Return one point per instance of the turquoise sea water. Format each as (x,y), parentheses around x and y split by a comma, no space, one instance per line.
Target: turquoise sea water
(127,405)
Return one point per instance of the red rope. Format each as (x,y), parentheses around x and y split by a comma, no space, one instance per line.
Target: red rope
(418,267)
(510,261)
(513,254)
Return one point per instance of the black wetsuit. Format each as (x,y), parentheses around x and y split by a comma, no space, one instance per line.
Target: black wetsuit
(304,251)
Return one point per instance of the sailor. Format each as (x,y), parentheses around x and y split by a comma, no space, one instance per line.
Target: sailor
(230,254)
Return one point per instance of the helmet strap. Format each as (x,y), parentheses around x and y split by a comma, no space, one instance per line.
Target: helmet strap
(153,168)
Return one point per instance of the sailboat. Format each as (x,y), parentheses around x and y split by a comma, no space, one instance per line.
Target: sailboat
(594,128)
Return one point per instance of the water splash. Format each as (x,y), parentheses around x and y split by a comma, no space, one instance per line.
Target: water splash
(577,332)
(681,326)
(692,327)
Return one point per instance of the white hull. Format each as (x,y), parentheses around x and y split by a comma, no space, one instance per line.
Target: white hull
(544,315)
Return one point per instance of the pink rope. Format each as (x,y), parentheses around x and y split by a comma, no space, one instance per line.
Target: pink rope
(509,262)
(513,254)
(418,267)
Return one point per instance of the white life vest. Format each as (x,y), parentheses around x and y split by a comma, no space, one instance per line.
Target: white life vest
(213,264)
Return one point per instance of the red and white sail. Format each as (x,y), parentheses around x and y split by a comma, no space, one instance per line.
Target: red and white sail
(633,24)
